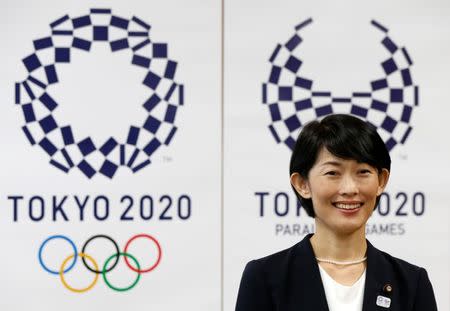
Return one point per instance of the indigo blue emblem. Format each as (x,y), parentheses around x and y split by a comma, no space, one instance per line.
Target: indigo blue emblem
(387,103)
(65,149)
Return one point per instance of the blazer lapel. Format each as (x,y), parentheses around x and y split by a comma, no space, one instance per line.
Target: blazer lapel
(304,287)
(377,277)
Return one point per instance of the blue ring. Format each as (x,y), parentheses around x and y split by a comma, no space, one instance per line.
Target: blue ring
(57,237)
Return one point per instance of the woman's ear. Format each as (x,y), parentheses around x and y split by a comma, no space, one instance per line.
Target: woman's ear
(301,185)
(383,178)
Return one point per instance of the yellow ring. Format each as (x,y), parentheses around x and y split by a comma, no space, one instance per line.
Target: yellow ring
(76,290)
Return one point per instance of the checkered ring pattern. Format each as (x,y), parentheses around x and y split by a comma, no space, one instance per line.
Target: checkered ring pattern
(59,141)
(293,101)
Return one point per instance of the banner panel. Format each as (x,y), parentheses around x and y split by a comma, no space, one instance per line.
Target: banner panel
(291,62)
(110,188)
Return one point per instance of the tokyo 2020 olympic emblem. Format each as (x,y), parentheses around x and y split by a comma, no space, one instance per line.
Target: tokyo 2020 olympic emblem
(387,103)
(59,141)
(91,264)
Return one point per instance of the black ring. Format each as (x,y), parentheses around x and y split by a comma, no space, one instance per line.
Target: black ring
(115,245)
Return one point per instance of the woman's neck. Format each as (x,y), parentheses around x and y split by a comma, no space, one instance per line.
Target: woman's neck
(339,247)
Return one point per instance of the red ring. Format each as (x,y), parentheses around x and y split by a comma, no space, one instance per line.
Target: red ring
(157,245)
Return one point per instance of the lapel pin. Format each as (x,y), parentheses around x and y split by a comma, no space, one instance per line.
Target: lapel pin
(384,302)
(387,288)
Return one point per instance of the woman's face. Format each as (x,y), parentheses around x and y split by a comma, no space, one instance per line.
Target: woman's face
(343,192)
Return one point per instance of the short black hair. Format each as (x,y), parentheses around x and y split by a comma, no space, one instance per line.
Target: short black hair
(344,136)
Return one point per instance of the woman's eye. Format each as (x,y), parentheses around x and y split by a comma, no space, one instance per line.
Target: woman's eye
(365,171)
(331,173)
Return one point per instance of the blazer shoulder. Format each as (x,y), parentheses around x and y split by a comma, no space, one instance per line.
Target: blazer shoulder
(261,277)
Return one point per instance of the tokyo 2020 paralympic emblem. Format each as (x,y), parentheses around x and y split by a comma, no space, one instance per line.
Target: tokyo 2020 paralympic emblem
(59,141)
(91,264)
(387,103)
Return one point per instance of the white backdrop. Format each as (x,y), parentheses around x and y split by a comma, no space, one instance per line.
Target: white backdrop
(100,93)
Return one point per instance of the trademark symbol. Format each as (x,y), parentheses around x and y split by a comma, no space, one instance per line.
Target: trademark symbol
(167,159)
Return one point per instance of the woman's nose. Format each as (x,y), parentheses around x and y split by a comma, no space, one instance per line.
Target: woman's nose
(349,186)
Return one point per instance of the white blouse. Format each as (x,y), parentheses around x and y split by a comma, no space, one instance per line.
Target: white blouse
(341,297)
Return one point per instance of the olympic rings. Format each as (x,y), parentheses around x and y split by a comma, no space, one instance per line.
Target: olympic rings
(157,260)
(106,267)
(125,255)
(75,290)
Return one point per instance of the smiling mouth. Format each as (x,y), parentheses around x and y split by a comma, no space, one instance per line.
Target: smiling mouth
(347,206)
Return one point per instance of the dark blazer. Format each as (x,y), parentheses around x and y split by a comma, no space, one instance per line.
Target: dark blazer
(290,280)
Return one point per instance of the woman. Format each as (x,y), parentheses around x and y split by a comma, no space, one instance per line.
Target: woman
(339,168)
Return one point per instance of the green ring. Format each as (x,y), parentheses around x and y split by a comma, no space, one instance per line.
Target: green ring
(118,288)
